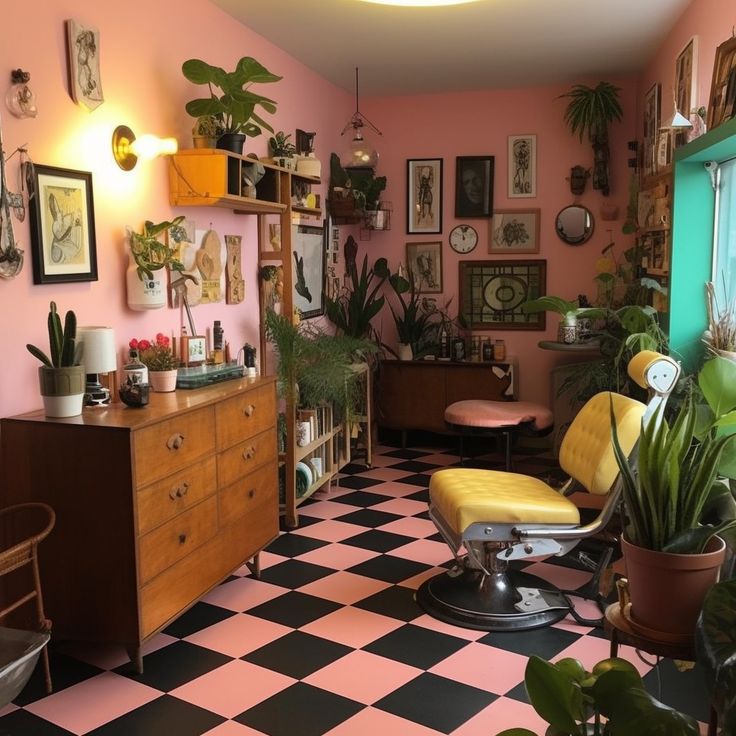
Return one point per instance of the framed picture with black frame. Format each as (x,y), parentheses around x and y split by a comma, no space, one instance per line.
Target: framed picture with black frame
(424,195)
(474,186)
(308,251)
(62,219)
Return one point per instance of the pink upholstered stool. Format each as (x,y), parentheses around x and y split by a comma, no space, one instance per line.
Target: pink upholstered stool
(497,417)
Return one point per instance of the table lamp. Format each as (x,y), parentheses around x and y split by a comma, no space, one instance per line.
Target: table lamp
(99,355)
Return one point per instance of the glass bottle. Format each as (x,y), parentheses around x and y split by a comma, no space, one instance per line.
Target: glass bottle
(217,335)
(444,342)
(499,350)
(135,371)
(487,350)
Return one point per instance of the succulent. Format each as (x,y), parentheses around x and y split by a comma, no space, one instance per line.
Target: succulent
(61,342)
(281,145)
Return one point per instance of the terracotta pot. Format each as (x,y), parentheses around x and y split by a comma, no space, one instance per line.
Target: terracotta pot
(667,590)
(163,381)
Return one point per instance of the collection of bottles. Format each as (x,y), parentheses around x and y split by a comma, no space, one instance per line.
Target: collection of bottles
(483,349)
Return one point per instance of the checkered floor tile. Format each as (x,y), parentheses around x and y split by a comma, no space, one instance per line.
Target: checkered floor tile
(330,639)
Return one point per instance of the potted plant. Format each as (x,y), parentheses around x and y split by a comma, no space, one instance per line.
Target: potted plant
(282,150)
(61,377)
(235,104)
(207,129)
(568,311)
(160,360)
(670,546)
(148,257)
(721,334)
(589,112)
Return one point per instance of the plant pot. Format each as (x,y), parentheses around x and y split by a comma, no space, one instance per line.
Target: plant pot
(567,331)
(163,381)
(233,142)
(145,293)
(204,141)
(285,162)
(405,351)
(667,590)
(62,390)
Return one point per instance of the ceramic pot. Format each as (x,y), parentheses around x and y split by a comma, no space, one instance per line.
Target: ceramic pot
(567,331)
(404,351)
(62,390)
(233,142)
(145,293)
(204,141)
(163,381)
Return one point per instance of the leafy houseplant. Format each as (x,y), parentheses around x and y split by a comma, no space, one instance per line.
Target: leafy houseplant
(149,253)
(156,354)
(282,149)
(207,129)
(568,697)
(721,335)
(569,312)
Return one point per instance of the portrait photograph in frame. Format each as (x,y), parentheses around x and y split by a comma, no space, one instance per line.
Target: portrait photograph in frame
(522,150)
(424,263)
(514,231)
(651,129)
(424,195)
(62,220)
(722,100)
(308,246)
(474,186)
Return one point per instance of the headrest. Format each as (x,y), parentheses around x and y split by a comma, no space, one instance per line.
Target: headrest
(654,371)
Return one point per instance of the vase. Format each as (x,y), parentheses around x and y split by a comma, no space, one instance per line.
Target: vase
(145,293)
(405,352)
(163,381)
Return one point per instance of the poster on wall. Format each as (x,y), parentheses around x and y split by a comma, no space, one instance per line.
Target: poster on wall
(522,151)
(424,195)
(309,270)
(83,53)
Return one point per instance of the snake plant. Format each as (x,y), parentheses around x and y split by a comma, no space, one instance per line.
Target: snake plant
(61,341)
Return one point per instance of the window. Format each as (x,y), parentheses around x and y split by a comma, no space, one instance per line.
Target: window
(724,260)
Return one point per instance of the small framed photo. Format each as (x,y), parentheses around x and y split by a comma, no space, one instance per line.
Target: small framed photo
(514,231)
(474,186)
(651,129)
(722,101)
(62,220)
(686,78)
(83,51)
(424,195)
(424,263)
(193,350)
(522,166)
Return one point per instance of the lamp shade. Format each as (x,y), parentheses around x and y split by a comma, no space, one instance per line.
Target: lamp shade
(99,354)
(680,121)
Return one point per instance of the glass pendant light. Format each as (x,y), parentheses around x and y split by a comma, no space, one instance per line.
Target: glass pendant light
(360,154)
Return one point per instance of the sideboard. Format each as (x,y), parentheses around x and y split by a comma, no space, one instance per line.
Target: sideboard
(154,506)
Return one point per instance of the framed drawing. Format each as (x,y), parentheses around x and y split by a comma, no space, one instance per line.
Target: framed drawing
(308,252)
(492,292)
(83,51)
(686,84)
(514,231)
(424,263)
(722,100)
(63,244)
(522,166)
(651,129)
(474,186)
(424,195)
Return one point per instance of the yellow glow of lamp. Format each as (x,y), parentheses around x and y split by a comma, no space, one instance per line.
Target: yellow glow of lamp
(127,149)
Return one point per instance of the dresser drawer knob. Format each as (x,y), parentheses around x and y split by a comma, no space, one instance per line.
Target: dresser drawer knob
(252,493)
(175,441)
(179,491)
(182,538)
(249,453)
(248,411)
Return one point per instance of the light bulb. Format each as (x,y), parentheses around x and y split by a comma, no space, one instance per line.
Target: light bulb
(149,146)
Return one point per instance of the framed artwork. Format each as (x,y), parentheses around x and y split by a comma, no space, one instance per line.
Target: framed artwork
(664,150)
(522,166)
(514,231)
(651,129)
(686,82)
(193,350)
(424,195)
(492,292)
(308,244)
(474,186)
(722,100)
(424,263)
(63,243)
(83,51)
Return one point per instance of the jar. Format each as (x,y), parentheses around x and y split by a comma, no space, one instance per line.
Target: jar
(134,371)
(499,350)
(487,350)
(475,348)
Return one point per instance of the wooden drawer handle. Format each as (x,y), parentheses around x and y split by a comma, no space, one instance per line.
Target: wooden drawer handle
(252,493)
(182,538)
(179,491)
(175,441)
(248,411)
(249,453)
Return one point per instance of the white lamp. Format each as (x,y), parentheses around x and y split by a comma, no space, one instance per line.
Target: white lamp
(99,355)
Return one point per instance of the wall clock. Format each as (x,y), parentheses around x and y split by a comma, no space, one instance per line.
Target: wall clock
(463,238)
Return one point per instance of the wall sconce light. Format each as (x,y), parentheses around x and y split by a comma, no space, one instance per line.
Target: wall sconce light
(127,149)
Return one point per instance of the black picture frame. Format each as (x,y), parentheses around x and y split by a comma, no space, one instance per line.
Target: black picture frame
(308,251)
(474,186)
(62,220)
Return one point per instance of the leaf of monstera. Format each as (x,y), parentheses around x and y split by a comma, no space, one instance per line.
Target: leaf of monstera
(199,72)
(204,106)
(250,70)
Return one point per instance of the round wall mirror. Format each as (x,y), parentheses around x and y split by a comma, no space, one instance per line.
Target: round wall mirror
(574,224)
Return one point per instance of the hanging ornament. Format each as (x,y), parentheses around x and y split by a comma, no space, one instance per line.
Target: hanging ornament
(20,98)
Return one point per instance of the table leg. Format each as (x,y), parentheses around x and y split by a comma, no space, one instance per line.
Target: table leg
(614,643)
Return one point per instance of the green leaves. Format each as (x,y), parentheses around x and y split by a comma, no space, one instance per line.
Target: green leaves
(61,341)
(554,694)
(149,253)
(591,109)
(549,304)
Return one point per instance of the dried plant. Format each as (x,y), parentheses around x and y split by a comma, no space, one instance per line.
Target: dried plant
(721,320)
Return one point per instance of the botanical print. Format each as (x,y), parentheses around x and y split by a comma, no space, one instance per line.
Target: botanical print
(84,65)
(424,262)
(522,151)
(62,219)
(424,196)
(515,231)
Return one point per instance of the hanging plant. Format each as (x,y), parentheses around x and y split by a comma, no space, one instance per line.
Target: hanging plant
(589,113)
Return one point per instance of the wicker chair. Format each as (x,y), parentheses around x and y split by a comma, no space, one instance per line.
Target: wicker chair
(22,528)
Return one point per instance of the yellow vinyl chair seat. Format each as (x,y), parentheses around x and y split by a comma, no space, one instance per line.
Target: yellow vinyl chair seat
(464,496)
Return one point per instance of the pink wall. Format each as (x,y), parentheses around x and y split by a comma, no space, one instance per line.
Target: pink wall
(142,48)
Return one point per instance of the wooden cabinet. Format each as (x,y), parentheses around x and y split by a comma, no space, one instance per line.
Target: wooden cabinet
(154,506)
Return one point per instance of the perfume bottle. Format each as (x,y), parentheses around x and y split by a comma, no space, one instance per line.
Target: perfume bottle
(135,372)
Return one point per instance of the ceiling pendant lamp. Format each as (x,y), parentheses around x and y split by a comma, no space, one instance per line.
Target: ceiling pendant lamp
(360,154)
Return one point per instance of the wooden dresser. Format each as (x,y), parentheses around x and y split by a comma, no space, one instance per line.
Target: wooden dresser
(154,506)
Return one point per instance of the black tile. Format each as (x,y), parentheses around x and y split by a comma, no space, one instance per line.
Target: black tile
(293,545)
(358,482)
(388,568)
(353,469)
(422,515)
(518,693)
(422,495)
(294,609)
(378,541)
(418,479)
(369,517)
(165,715)
(23,723)
(304,518)
(198,617)
(175,664)
(297,654)
(416,646)
(685,691)
(395,602)
(436,702)
(414,466)
(300,709)
(294,573)
(405,454)
(546,642)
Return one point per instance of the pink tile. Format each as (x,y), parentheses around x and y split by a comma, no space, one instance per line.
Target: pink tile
(382,461)
(569,624)
(238,635)
(352,626)
(9,708)
(344,587)
(591,649)
(502,714)
(436,625)
(484,667)
(384,474)
(439,459)
(231,728)
(370,721)
(419,528)
(338,556)
(415,581)
(395,489)
(363,676)
(402,506)
(424,550)
(328,509)
(562,577)
(233,688)
(330,530)
(267,559)
(90,704)
(242,594)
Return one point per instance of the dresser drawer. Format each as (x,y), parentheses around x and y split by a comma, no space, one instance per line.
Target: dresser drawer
(256,494)
(176,493)
(173,444)
(245,415)
(167,544)
(246,457)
